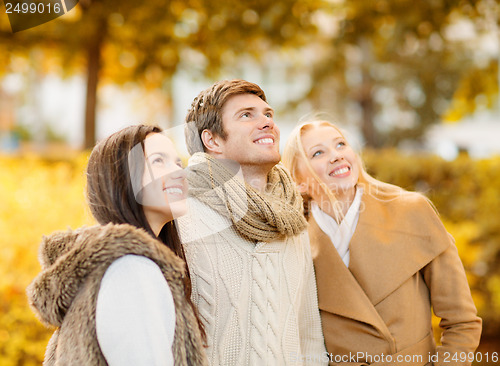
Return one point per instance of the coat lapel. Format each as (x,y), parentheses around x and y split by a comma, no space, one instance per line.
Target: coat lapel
(338,291)
(392,242)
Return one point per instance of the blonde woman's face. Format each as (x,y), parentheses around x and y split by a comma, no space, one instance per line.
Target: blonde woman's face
(331,158)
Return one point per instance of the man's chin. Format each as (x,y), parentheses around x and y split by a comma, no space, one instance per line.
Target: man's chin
(276,159)
(271,162)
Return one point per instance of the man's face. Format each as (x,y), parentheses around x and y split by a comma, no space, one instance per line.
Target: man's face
(252,138)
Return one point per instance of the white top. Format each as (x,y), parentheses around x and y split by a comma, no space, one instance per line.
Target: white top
(340,235)
(135,314)
(258,301)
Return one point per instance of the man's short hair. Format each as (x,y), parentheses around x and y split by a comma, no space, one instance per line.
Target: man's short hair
(206,110)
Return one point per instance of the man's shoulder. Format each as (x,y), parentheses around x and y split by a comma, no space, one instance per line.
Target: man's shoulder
(201,221)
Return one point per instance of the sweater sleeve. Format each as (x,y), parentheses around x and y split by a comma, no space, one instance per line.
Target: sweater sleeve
(135,314)
(311,334)
(452,302)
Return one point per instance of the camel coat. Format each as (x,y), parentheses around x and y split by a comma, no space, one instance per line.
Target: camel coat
(402,262)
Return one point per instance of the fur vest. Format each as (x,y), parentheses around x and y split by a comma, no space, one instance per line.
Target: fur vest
(64,294)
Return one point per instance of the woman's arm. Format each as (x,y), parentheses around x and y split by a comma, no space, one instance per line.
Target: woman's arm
(135,314)
(452,302)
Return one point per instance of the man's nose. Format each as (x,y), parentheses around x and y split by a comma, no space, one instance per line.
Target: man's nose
(266,122)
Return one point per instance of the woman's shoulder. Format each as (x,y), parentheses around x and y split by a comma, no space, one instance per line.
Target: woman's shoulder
(73,257)
(89,238)
(403,201)
(93,248)
(135,263)
(134,271)
(409,212)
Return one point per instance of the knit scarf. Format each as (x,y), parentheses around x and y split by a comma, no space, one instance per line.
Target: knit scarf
(257,216)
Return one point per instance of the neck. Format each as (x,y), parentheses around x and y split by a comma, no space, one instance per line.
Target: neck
(256,176)
(155,222)
(344,198)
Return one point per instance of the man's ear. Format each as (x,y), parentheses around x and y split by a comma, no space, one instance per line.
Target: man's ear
(211,141)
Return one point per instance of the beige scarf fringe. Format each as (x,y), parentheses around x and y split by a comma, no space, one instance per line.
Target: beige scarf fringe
(257,216)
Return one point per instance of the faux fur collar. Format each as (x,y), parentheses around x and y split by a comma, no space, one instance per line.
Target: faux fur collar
(69,257)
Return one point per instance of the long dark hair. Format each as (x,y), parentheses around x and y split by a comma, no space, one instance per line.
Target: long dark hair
(110,192)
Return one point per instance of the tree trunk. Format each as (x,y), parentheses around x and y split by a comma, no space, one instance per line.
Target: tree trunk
(170,104)
(365,96)
(368,127)
(93,66)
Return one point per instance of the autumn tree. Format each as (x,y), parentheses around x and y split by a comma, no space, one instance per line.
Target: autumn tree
(146,42)
(393,63)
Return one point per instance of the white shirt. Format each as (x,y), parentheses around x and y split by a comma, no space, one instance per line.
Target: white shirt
(135,314)
(340,235)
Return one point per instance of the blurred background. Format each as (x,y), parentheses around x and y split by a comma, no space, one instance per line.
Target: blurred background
(414,83)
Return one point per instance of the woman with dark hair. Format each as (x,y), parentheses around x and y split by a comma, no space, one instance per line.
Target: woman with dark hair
(119,292)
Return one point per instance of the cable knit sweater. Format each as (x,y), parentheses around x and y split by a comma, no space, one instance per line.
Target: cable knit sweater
(258,301)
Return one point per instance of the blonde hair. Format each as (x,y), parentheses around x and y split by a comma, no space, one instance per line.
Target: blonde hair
(294,154)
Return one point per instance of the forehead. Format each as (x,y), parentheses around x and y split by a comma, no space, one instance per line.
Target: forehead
(240,101)
(157,142)
(318,134)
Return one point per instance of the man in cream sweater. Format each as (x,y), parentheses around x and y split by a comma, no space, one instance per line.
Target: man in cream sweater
(244,236)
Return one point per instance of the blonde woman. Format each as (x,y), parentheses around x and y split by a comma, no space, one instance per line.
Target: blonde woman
(382,259)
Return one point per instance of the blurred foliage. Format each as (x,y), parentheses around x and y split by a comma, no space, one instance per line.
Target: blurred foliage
(478,89)
(391,70)
(39,196)
(466,192)
(147,42)
(22,132)
(395,71)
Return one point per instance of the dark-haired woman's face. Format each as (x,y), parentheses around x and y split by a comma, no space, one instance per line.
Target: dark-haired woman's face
(164,181)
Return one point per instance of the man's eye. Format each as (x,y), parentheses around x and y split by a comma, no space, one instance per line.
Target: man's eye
(246,114)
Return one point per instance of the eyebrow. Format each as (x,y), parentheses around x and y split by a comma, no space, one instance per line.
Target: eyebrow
(177,160)
(267,109)
(157,153)
(321,144)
